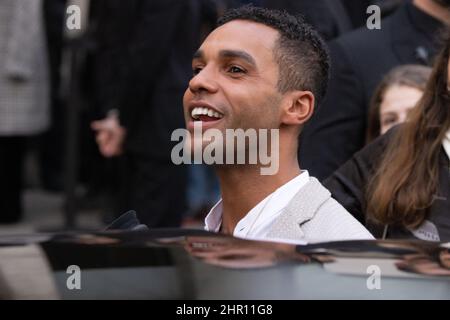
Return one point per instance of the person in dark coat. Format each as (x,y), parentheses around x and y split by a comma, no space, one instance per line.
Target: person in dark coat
(359,61)
(52,141)
(399,185)
(143,65)
(330,18)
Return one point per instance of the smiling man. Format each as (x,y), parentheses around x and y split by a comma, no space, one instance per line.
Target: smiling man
(265,70)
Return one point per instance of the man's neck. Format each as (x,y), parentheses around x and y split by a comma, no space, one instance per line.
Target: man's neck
(243,187)
(434,9)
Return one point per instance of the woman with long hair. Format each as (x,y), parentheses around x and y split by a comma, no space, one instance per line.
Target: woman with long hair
(399,185)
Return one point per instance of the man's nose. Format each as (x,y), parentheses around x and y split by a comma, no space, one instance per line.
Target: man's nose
(205,80)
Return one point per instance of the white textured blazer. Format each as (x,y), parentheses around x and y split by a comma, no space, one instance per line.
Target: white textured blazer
(24,105)
(314,216)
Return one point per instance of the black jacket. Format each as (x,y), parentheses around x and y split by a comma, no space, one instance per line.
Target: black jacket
(329,17)
(348,186)
(359,61)
(143,66)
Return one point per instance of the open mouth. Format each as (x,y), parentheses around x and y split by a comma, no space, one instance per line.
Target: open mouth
(205,114)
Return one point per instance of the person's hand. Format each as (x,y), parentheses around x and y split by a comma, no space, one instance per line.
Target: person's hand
(110,136)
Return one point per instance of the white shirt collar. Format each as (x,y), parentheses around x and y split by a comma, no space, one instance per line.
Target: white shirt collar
(213,220)
(446,144)
(257,222)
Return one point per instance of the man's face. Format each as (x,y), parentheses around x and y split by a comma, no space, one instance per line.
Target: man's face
(235,79)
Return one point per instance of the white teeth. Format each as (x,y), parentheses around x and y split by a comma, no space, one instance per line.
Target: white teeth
(196,112)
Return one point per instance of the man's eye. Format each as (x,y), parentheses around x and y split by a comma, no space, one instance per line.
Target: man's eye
(196,70)
(235,69)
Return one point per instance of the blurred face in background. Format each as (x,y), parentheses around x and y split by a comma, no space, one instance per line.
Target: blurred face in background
(397,102)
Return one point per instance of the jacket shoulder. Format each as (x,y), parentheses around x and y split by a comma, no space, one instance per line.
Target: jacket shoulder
(313,215)
(332,222)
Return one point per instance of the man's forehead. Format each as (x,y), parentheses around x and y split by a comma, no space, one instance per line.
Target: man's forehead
(252,37)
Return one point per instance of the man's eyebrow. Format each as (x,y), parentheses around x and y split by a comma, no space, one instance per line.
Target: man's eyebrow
(198,54)
(238,54)
(228,54)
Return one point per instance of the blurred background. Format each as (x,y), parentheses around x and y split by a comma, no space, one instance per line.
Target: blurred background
(86,113)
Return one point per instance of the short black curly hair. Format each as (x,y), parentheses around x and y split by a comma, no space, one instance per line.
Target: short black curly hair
(300,52)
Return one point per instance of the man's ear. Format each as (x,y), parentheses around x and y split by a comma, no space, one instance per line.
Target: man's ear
(298,107)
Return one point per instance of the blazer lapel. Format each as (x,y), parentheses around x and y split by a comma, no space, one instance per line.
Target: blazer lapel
(300,210)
